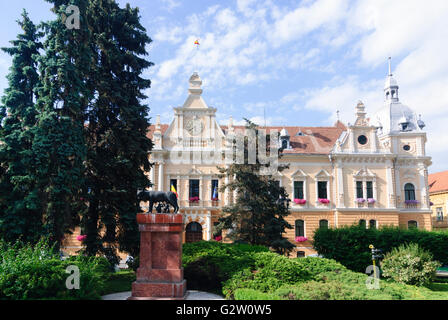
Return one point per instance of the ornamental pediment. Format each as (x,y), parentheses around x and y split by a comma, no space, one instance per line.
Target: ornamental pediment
(323,174)
(299,174)
(365,172)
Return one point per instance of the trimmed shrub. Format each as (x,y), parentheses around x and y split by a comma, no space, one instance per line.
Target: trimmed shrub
(207,264)
(251,294)
(410,264)
(350,245)
(270,272)
(37,272)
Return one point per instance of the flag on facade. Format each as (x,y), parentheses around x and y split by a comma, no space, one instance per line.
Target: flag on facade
(215,193)
(174,190)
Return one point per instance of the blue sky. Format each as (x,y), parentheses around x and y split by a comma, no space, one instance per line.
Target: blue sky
(298,60)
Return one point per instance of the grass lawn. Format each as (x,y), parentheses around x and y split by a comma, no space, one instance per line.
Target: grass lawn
(120,281)
(439,287)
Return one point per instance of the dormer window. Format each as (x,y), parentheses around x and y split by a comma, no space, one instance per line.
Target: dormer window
(284,139)
(404,126)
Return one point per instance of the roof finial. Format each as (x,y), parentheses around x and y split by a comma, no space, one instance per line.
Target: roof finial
(390,68)
(337,114)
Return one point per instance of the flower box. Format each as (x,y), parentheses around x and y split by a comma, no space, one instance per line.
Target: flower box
(301,239)
(218,238)
(371,201)
(360,200)
(215,199)
(81,238)
(300,201)
(324,201)
(194,199)
(411,202)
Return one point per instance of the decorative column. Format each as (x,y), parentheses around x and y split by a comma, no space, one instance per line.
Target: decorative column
(160,275)
(201,191)
(226,192)
(152,177)
(208,223)
(161,176)
(398,188)
(390,187)
(423,187)
(340,192)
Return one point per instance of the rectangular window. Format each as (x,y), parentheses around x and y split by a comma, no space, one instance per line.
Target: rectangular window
(300,228)
(439,214)
(214,190)
(298,190)
(359,191)
(173,182)
(322,190)
(369,188)
(194,188)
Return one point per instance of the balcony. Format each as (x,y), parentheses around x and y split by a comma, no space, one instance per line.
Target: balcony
(412,204)
(439,222)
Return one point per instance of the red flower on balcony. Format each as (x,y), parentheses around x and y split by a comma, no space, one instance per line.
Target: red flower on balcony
(324,201)
(301,239)
(215,199)
(81,238)
(194,199)
(218,238)
(300,201)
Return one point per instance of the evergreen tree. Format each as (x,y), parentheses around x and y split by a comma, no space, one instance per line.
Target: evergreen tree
(116,133)
(257,215)
(59,145)
(20,215)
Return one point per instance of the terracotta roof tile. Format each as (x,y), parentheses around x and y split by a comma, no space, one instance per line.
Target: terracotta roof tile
(163,128)
(438,182)
(315,140)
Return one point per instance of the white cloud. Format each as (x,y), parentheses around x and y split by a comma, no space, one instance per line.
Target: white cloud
(305,19)
(263,42)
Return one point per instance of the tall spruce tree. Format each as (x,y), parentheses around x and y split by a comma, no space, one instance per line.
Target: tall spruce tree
(256,216)
(116,133)
(59,146)
(20,215)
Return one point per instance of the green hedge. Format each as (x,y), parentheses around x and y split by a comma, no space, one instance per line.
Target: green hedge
(207,264)
(37,272)
(254,273)
(350,245)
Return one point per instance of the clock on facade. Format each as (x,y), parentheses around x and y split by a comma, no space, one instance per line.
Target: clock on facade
(194,126)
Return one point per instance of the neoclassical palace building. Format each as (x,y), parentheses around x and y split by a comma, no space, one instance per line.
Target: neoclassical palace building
(372,172)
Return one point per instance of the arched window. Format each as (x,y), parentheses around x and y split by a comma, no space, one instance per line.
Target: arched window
(193,232)
(300,254)
(362,223)
(372,224)
(300,228)
(412,224)
(409,191)
(323,224)
(284,144)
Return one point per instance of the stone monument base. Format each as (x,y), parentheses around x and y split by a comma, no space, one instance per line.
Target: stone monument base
(160,275)
(159,291)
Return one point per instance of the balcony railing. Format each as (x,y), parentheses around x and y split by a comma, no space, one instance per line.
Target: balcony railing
(439,222)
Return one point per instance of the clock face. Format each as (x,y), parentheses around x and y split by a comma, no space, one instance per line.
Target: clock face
(194,126)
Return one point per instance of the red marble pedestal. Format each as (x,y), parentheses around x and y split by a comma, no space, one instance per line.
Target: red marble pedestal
(160,275)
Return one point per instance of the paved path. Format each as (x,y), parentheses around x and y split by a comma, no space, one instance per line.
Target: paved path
(192,295)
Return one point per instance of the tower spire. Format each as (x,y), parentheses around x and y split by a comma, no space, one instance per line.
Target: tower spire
(390,68)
